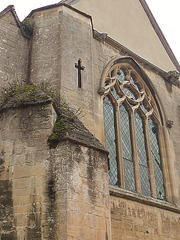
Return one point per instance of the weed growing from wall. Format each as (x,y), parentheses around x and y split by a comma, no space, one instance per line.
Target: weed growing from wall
(28,25)
(21,94)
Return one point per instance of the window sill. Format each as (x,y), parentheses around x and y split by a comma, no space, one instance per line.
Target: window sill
(119,192)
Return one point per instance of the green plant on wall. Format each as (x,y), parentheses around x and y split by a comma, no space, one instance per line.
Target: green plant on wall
(28,25)
(22,94)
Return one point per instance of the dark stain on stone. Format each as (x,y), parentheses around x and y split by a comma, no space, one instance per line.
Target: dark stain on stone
(91,175)
(9,236)
(2,168)
(78,153)
(51,191)
(6,193)
(168,87)
(1,161)
(6,211)
(51,216)
(106,235)
(34,223)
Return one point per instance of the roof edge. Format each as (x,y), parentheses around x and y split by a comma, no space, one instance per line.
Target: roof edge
(70,2)
(6,10)
(171,76)
(11,9)
(160,34)
(59,5)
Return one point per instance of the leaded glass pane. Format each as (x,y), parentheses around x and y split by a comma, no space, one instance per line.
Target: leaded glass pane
(145,181)
(127,153)
(115,94)
(121,75)
(142,155)
(157,164)
(129,178)
(110,139)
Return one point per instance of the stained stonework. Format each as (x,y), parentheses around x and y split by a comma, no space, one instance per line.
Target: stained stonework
(59,193)
(14,49)
(133,220)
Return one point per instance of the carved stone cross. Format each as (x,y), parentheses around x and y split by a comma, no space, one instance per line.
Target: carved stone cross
(80,68)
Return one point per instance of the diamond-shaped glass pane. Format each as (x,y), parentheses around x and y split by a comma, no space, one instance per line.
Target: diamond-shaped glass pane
(129,175)
(142,155)
(127,149)
(157,164)
(145,181)
(110,139)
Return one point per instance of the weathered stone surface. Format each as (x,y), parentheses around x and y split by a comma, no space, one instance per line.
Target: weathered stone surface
(14,49)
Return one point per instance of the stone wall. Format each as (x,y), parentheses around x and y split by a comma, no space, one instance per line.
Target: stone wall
(23,148)
(13,51)
(82,192)
(46,193)
(135,221)
(46,49)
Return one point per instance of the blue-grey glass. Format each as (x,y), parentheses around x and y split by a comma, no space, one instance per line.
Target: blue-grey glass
(142,155)
(121,76)
(145,181)
(129,175)
(134,81)
(128,163)
(110,139)
(157,163)
(115,94)
(106,83)
(128,92)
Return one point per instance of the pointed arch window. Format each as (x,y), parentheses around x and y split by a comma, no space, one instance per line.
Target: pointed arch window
(132,127)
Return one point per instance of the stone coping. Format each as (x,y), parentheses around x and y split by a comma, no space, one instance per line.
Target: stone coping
(122,193)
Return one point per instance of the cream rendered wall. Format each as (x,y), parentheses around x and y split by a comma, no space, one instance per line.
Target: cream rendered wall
(126,22)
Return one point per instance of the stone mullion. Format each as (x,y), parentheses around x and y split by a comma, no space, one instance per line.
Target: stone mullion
(164,165)
(119,149)
(150,161)
(135,153)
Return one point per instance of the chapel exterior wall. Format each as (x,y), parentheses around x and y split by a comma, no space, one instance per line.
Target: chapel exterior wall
(134,220)
(13,51)
(60,29)
(45,49)
(49,193)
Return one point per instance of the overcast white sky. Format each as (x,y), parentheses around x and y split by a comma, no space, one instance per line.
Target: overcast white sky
(166,12)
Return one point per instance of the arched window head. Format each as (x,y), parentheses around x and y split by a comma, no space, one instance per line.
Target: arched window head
(132,126)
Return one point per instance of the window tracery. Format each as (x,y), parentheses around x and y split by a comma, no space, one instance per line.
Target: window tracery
(132,124)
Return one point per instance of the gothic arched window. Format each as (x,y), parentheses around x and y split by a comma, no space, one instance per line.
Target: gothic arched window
(132,127)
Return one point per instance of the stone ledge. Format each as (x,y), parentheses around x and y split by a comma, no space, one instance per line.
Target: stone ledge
(119,192)
(92,145)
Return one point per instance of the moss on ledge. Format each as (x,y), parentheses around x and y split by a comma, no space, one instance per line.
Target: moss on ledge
(69,127)
(21,96)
